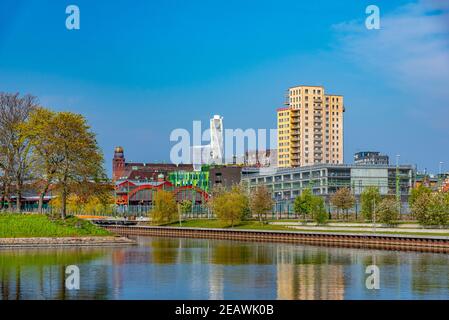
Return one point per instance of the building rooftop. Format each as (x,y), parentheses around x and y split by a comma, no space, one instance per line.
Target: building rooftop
(272,171)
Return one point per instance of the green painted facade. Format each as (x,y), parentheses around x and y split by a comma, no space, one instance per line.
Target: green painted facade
(198,179)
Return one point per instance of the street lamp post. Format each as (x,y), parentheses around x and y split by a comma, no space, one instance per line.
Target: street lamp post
(440,174)
(398,190)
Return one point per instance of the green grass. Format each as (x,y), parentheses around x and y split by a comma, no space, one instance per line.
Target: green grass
(340,221)
(255,225)
(212,223)
(34,225)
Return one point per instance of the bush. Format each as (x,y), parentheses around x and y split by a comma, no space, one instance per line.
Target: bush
(230,206)
(186,206)
(387,211)
(303,203)
(164,209)
(261,202)
(419,201)
(343,200)
(369,199)
(319,210)
(431,209)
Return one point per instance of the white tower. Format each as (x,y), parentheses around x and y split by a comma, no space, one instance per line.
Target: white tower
(216,140)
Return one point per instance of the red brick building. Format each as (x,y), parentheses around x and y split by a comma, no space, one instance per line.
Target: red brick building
(140,171)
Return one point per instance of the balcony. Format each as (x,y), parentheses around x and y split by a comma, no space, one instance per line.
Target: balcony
(295,145)
(294,120)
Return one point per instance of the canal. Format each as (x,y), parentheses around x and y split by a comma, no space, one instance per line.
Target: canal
(177,268)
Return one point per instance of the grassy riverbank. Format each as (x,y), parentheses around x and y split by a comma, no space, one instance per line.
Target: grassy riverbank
(212,223)
(255,225)
(34,225)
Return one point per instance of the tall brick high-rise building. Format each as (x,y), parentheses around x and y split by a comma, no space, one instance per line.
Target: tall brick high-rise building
(310,127)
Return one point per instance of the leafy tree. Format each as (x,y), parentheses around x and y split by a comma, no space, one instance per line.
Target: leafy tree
(261,202)
(319,210)
(80,160)
(303,203)
(431,209)
(15,147)
(415,193)
(370,198)
(73,204)
(420,207)
(186,206)
(343,200)
(230,205)
(240,188)
(438,213)
(95,197)
(387,211)
(92,204)
(41,130)
(165,208)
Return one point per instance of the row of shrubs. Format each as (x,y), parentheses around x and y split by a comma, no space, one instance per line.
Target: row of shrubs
(234,205)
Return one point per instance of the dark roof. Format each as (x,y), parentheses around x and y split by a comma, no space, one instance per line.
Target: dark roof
(159,166)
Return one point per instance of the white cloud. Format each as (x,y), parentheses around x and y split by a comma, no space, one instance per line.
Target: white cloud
(411,50)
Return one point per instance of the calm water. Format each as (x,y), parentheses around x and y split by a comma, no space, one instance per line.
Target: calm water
(165,268)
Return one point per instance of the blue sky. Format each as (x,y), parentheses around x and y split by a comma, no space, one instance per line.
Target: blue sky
(139,71)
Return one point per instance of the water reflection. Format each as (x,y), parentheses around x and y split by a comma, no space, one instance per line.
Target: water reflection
(40,274)
(173,268)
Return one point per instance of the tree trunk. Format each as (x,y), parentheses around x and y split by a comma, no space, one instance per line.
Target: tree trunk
(6,195)
(41,198)
(64,203)
(41,202)
(18,199)
(2,205)
(19,193)
(18,203)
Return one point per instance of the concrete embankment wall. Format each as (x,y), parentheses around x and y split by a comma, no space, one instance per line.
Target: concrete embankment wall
(371,241)
(64,242)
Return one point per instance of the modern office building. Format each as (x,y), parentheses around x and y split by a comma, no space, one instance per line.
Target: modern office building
(310,127)
(224,176)
(371,157)
(325,179)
